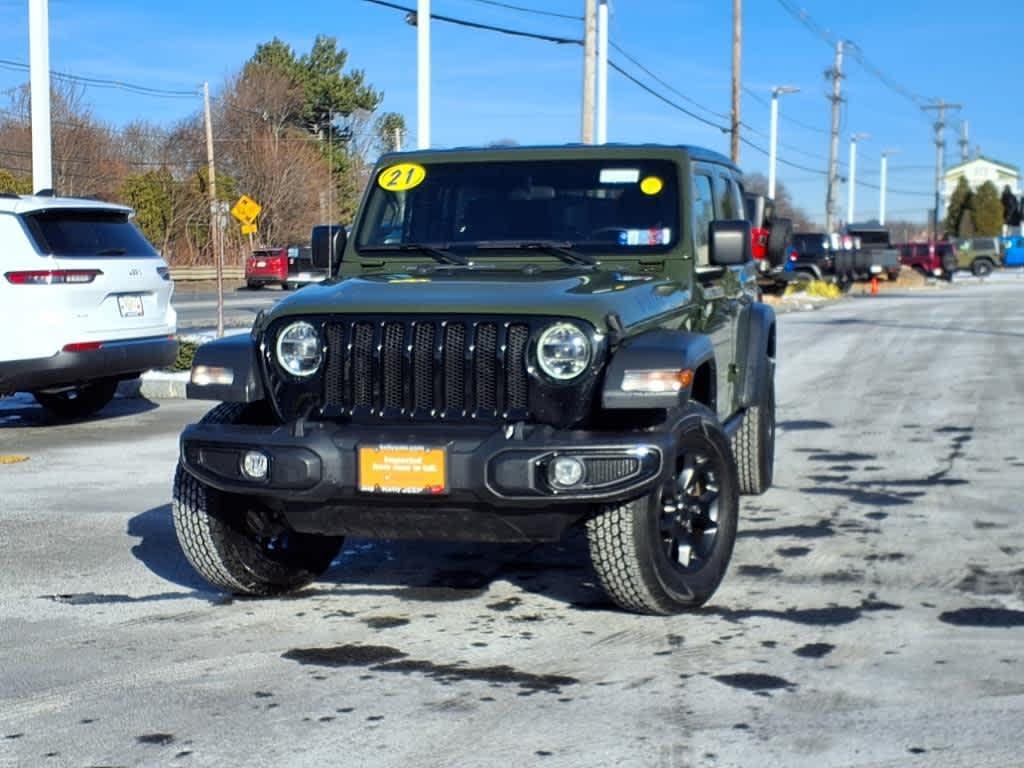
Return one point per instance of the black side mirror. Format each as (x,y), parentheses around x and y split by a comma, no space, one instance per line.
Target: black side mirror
(328,243)
(729,243)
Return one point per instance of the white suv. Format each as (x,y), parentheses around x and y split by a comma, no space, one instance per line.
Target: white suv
(85,301)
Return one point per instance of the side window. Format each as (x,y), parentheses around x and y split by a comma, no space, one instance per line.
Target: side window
(703,215)
(725,199)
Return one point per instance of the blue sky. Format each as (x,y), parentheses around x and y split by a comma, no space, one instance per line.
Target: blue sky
(488,87)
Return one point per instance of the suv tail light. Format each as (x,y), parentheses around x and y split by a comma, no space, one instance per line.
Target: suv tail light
(51,276)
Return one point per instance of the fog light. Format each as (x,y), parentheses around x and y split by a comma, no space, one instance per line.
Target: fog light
(565,472)
(205,375)
(255,464)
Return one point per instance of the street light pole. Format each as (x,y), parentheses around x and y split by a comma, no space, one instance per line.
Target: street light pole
(602,72)
(39,78)
(774,131)
(851,198)
(884,181)
(423,74)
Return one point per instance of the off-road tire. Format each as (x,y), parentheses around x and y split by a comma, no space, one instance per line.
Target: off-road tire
(213,533)
(79,402)
(779,238)
(893,276)
(753,445)
(981,267)
(625,543)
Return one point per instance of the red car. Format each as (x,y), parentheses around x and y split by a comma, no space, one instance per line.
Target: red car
(287,267)
(930,259)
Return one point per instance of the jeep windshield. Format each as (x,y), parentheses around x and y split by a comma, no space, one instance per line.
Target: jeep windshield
(563,208)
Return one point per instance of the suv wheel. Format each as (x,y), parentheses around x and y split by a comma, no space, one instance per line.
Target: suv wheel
(668,551)
(79,402)
(982,268)
(753,445)
(224,540)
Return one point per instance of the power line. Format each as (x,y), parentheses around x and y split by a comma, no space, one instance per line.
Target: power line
(97,82)
(536,11)
(478,25)
(665,99)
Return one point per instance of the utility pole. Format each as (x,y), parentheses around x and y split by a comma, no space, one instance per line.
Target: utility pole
(851,189)
(215,233)
(423,74)
(589,64)
(737,52)
(836,73)
(940,108)
(773,132)
(602,72)
(965,143)
(884,181)
(39,88)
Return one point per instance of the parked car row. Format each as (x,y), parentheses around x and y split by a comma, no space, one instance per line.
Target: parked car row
(979,255)
(861,252)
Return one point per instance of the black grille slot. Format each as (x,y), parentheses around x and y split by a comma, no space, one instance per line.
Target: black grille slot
(516,385)
(391,364)
(485,367)
(334,376)
(454,367)
(423,365)
(362,366)
(605,471)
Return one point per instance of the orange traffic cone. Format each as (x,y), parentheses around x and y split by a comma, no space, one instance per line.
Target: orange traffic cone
(874,286)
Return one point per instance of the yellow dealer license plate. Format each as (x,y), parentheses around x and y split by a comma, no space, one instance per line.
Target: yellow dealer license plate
(407,469)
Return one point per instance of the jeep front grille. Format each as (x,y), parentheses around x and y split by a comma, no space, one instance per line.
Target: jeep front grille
(426,369)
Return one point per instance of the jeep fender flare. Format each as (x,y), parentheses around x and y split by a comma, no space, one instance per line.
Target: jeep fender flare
(238,354)
(755,344)
(654,350)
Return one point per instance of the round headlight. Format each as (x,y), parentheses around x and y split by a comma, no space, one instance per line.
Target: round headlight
(299,350)
(563,351)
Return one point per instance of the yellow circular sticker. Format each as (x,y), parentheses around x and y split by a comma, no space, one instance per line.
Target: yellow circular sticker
(651,185)
(398,178)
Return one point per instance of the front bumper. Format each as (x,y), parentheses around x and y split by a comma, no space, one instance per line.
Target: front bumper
(497,486)
(114,359)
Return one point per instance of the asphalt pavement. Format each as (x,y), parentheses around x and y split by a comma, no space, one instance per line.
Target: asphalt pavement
(873,614)
(197,306)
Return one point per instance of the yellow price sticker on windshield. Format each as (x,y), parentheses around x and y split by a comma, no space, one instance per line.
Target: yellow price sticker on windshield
(651,185)
(399,178)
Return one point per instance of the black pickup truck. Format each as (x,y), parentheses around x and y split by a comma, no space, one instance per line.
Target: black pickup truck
(876,254)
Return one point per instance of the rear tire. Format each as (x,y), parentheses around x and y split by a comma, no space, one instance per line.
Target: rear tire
(79,402)
(667,552)
(753,445)
(215,532)
(982,268)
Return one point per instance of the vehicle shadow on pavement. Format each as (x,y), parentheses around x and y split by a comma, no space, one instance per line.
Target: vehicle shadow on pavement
(159,551)
(450,571)
(22,411)
(420,571)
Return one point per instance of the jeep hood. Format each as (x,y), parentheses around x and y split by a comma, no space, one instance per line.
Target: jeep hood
(592,295)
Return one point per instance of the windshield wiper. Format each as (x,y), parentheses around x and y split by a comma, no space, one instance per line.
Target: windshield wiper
(438,254)
(562,250)
(112,252)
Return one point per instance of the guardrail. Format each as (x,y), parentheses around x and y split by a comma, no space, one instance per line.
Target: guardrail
(182,274)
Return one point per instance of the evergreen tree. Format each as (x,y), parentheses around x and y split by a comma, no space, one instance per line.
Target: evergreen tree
(960,204)
(988,210)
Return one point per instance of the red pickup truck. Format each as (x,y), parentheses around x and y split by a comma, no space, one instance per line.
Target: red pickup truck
(930,259)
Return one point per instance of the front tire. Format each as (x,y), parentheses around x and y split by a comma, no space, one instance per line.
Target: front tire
(667,552)
(218,535)
(79,402)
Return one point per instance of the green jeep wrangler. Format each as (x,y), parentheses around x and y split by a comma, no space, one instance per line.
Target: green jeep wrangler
(979,254)
(514,341)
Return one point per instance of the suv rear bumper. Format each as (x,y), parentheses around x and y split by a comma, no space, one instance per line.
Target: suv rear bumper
(497,486)
(114,359)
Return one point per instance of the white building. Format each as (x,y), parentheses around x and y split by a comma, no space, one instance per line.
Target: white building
(977,172)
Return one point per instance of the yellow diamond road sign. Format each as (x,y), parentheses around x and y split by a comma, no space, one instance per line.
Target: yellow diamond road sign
(246,209)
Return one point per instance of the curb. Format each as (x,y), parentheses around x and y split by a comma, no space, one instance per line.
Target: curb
(155,385)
